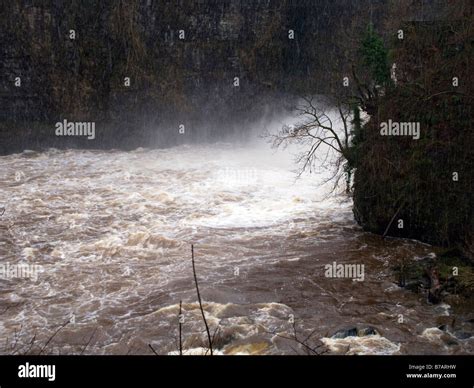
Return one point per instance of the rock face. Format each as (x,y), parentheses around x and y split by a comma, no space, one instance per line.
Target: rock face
(146,67)
(412,188)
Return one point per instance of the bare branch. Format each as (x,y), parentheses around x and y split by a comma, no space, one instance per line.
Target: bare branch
(152,349)
(54,335)
(200,302)
(180,329)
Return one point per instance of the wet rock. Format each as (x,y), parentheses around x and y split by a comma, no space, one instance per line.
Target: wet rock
(367,331)
(352,332)
(412,275)
(434,276)
(451,342)
(355,332)
(451,299)
(462,335)
(434,293)
(434,297)
(413,285)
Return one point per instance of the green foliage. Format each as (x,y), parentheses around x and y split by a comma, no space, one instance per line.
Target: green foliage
(375,56)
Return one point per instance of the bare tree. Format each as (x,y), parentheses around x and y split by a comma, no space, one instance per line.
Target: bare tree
(323,125)
(329,125)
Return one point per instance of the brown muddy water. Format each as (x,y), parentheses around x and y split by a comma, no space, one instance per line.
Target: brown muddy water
(110,234)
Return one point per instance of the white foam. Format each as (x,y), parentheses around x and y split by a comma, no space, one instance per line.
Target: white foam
(371,344)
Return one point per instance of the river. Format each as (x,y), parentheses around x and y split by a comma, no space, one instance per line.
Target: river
(110,232)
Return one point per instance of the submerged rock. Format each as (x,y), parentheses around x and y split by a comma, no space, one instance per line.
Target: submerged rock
(443,327)
(462,335)
(367,331)
(352,332)
(355,332)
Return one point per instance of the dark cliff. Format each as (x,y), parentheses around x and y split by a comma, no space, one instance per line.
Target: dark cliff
(182,59)
(422,188)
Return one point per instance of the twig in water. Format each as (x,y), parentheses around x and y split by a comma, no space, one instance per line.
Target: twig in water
(300,342)
(31,344)
(153,350)
(213,337)
(88,342)
(200,303)
(15,336)
(54,335)
(180,329)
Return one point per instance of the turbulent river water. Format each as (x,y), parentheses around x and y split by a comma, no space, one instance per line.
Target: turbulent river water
(110,232)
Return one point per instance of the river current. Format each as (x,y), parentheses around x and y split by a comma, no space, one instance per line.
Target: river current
(111,234)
